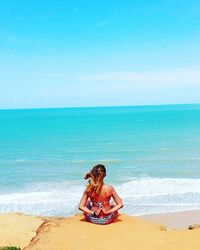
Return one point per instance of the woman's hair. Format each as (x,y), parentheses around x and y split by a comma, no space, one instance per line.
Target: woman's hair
(95,176)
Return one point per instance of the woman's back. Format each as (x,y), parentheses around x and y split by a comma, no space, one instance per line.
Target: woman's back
(95,202)
(104,194)
(103,198)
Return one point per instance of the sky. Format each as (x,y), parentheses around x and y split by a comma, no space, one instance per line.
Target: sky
(99,53)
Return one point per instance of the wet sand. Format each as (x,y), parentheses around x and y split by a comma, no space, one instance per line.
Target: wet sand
(175,220)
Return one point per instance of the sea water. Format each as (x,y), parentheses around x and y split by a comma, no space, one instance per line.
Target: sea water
(152,156)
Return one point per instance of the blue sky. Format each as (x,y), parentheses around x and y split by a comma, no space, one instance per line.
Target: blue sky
(99,53)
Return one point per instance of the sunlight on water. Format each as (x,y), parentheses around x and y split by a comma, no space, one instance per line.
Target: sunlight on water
(151,154)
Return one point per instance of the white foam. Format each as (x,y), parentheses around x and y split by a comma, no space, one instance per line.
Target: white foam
(158,186)
(140,196)
(155,195)
(46,199)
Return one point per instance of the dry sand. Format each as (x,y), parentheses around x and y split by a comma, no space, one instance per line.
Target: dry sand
(18,229)
(74,233)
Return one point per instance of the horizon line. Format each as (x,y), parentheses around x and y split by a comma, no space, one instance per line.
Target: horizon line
(106,106)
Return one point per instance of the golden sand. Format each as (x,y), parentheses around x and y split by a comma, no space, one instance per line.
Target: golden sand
(18,229)
(74,233)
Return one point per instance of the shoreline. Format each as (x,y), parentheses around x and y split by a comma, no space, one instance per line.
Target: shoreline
(174,220)
(152,232)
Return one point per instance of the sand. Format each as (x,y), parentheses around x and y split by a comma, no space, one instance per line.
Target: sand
(73,233)
(175,220)
(18,229)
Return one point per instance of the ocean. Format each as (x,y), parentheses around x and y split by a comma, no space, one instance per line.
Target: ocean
(152,156)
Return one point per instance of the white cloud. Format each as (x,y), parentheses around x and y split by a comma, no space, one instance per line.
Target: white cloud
(181,76)
(48,74)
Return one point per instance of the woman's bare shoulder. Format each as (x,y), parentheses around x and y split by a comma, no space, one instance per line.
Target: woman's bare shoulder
(108,187)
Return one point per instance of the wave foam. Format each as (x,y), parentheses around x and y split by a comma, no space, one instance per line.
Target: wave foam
(140,196)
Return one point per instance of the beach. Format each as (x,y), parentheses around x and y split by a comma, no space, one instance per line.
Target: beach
(151,154)
(72,233)
(100,117)
(175,220)
(152,159)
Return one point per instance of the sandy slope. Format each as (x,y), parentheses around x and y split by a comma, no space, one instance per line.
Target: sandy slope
(128,233)
(18,229)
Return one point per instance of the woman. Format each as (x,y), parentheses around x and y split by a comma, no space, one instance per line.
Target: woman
(95,202)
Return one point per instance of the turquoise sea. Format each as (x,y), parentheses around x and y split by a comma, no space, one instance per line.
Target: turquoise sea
(152,155)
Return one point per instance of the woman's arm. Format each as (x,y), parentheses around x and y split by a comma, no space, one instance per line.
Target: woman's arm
(118,202)
(82,204)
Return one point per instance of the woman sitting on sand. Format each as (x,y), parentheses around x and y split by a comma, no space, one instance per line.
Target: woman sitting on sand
(95,202)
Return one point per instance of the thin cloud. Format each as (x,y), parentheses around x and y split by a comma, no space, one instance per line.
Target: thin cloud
(48,74)
(101,24)
(17,40)
(182,75)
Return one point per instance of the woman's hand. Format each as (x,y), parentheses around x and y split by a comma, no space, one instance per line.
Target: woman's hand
(97,212)
(105,211)
(86,175)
